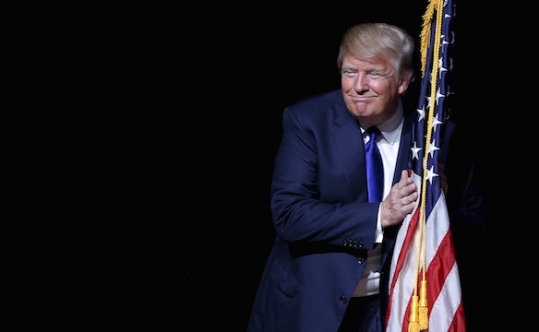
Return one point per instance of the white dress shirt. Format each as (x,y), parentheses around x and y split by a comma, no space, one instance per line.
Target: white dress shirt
(388,144)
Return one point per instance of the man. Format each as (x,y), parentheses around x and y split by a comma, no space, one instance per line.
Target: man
(328,269)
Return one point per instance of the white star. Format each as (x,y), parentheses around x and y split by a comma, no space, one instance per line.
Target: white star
(435,123)
(444,42)
(431,174)
(421,112)
(415,151)
(442,69)
(433,147)
(439,95)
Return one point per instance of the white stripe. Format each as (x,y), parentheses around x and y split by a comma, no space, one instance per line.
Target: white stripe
(437,227)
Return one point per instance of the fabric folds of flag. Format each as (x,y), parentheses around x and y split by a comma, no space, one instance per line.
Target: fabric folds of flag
(425,290)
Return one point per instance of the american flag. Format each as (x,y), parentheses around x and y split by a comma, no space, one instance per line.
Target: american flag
(425,290)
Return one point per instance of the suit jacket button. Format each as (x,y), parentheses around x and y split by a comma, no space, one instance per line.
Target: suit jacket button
(360,260)
(342,299)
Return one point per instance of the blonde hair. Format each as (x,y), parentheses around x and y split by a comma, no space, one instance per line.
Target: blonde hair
(379,40)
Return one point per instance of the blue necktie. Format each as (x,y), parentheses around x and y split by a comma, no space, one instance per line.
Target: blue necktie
(375,167)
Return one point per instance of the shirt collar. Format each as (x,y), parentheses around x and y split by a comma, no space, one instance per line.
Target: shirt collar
(391,129)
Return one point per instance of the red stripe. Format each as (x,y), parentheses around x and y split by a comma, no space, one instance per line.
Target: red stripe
(459,322)
(439,268)
(412,226)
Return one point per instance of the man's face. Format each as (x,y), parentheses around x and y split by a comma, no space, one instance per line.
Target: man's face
(371,89)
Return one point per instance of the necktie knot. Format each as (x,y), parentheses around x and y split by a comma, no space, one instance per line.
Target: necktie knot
(373,133)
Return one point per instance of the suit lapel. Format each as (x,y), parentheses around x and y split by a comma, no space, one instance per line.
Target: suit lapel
(347,143)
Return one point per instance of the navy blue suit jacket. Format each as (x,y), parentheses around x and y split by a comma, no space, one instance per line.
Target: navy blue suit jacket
(323,221)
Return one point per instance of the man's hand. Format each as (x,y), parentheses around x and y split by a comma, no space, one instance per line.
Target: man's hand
(399,202)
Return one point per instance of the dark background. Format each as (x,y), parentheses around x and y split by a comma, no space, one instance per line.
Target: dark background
(242,70)
(179,107)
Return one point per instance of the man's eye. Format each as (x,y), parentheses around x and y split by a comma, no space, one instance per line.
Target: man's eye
(349,73)
(379,74)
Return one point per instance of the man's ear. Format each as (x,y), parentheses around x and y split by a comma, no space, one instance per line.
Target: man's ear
(405,83)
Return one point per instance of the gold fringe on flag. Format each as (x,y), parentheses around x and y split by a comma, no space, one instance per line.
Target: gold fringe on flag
(413,325)
(423,306)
